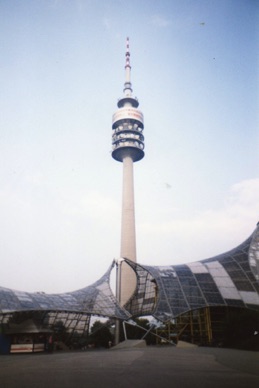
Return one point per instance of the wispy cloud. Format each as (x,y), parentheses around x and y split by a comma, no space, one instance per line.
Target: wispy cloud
(160,21)
(89,204)
(208,233)
(107,23)
(244,199)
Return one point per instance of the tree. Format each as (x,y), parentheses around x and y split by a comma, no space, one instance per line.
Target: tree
(101,335)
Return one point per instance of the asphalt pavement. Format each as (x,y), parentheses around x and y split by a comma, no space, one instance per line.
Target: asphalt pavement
(148,367)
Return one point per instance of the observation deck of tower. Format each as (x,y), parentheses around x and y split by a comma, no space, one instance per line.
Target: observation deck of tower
(127,147)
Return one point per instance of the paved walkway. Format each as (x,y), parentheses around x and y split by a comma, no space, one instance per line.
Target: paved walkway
(149,367)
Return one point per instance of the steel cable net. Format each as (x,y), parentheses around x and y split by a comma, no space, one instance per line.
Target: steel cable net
(166,292)
(73,309)
(144,298)
(229,279)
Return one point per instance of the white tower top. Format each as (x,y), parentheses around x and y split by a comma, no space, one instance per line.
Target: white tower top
(128,121)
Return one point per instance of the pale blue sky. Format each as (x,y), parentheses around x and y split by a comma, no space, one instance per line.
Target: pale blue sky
(195,73)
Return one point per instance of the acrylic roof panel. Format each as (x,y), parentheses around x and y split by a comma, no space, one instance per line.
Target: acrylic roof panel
(96,299)
(229,279)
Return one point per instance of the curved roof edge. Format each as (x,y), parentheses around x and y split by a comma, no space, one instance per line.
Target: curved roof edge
(95,299)
(229,279)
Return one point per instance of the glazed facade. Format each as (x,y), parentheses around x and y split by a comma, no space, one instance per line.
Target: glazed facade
(165,292)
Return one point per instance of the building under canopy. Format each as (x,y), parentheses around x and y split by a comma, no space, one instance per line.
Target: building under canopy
(193,297)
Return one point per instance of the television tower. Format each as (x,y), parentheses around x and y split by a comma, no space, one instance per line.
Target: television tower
(127,147)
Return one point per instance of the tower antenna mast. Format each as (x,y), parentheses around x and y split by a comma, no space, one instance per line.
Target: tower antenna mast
(127,85)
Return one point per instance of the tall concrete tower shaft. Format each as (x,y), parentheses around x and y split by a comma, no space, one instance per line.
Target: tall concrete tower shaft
(127,147)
